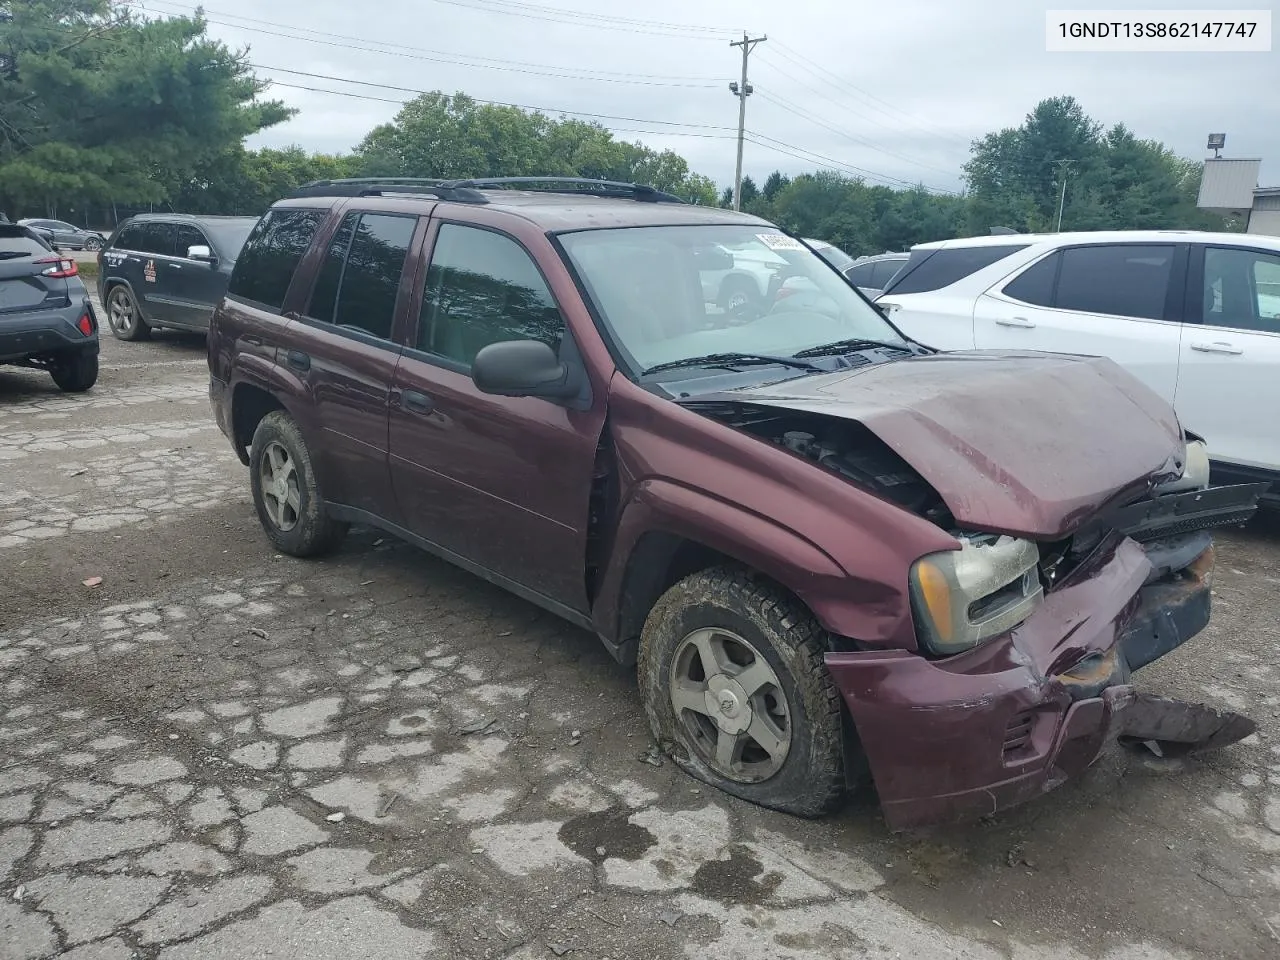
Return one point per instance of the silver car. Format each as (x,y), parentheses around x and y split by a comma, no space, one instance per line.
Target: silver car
(66,235)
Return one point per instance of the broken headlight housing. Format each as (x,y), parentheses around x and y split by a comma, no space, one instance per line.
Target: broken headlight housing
(1195,475)
(962,597)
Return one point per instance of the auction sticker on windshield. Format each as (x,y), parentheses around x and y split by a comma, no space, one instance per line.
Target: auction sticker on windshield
(779,241)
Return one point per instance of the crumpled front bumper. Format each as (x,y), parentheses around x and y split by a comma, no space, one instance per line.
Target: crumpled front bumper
(964,737)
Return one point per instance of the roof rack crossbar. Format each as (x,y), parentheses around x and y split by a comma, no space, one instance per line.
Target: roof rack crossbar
(380,186)
(469,191)
(571,185)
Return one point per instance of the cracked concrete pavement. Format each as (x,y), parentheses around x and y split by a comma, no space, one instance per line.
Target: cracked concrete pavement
(221,752)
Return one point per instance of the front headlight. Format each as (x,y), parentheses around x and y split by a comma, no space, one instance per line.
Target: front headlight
(963,597)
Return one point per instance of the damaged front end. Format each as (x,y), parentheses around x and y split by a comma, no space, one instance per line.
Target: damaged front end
(962,736)
(1026,643)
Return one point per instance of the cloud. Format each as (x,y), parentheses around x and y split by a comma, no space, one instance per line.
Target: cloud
(896,90)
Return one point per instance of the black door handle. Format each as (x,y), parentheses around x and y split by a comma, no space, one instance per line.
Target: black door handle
(298,360)
(416,402)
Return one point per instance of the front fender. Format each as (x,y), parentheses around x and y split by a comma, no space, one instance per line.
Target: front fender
(754,540)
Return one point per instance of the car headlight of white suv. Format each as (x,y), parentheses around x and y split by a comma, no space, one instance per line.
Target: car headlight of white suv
(962,597)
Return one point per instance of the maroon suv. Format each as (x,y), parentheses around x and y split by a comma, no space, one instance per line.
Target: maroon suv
(830,551)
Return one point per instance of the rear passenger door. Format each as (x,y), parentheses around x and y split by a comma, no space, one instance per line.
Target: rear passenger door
(152,247)
(503,483)
(1229,384)
(1121,301)
(341,350)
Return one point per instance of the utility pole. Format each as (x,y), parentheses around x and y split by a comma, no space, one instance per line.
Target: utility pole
(1062,198)
(742,90)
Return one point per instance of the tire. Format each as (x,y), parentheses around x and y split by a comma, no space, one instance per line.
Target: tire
(298,525)
(729,603)
(739,296)
(75,372)
(124,316)
(93,244)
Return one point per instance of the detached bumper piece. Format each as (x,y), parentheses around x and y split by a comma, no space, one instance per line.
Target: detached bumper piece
(1173,727)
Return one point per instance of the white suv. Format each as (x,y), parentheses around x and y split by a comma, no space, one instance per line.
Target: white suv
(1194,315)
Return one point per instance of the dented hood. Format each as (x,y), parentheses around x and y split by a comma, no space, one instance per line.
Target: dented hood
(1017,442)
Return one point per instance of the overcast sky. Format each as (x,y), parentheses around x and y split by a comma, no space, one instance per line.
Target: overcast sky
(896,90)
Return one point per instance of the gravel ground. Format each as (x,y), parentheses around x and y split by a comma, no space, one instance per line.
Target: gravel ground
(220,752)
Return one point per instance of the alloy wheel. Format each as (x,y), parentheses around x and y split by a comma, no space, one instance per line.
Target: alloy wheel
(731,703)
(279,479)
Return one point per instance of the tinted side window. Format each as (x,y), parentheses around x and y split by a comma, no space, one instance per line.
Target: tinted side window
(860,276)
(325,293)
(187,236)
(371,278)
(128,238)
(1035,284)
(270,255)
(1124,280)
(483,288)
(1242,289)
(928,270)
(884,271)
(151,237)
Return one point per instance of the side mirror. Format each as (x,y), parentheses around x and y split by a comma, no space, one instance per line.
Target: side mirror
(523,368)
(200,252)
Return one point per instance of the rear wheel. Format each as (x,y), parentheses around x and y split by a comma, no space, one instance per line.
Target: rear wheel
(732,675)
(75,372)
(286,492)
(124,316)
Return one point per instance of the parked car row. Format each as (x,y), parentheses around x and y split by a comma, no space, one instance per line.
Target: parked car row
(1195,316)
(828,550)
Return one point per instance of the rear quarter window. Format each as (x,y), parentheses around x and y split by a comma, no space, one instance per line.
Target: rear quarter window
(269,257)
(929,270)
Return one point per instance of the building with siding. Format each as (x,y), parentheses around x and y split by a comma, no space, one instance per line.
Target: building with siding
(1230,188)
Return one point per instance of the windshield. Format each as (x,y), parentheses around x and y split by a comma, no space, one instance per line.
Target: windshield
(230,235)
(667,294)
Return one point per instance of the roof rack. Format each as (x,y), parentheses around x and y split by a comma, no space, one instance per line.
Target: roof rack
(381,186)
(468,191)
(570,185)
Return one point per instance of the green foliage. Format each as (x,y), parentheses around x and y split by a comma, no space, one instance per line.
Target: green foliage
(246,182)
(96,104)
(1113,181)
(436,135)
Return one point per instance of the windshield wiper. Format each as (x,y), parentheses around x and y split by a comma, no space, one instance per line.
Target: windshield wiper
(848,346)
(731,359)
(12,254)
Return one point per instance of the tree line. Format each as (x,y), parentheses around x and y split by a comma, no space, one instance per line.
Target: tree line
(103,113)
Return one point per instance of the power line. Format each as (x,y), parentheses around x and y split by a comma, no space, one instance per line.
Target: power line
(494,103)
(405,51)
(778,146)
(845,86)
(587,19)
(806,115)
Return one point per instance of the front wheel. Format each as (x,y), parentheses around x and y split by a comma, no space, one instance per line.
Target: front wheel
(732,676)
(286,492)
(92,244)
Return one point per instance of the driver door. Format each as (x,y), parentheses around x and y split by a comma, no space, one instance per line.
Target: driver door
(500,484)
